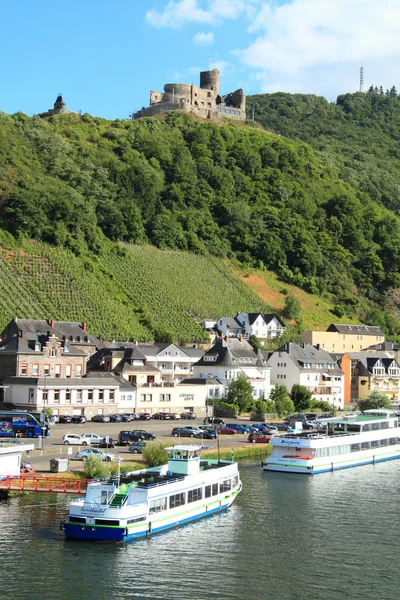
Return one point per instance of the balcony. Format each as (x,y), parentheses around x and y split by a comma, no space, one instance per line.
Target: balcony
(320,390)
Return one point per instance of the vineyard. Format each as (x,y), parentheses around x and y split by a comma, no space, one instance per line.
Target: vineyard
(127,293)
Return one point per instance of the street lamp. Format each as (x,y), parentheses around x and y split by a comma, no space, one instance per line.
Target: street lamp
(44,410)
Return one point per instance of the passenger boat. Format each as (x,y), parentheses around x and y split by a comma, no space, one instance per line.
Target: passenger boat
(152,500)
(371,437)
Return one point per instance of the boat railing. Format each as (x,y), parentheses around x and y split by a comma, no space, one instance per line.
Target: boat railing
(147,484)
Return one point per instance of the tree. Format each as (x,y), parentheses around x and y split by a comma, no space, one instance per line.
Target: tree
(240,392)
(374,400)
(292,307)
(283,403)
(301,397)
(155,454)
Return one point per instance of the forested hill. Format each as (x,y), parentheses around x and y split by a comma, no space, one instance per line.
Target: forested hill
(227,190)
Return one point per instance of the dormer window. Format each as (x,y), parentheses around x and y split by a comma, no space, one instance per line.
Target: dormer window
(66,347)
(38,347)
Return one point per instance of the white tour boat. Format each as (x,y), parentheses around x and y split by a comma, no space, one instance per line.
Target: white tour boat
(148,501)
(371,437)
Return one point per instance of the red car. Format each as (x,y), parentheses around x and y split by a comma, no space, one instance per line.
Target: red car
(226,431)
(257,437)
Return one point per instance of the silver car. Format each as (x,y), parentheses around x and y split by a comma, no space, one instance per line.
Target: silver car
(82,454)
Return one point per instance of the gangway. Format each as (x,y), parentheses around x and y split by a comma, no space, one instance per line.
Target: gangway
(44,484)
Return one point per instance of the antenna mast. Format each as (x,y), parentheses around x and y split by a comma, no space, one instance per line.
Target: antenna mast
(362,78)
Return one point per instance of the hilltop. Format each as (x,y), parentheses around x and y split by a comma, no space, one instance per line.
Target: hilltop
(82,186)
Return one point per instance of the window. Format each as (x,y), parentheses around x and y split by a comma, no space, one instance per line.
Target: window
(194,495)
(162,397)
(101,395)
(38,347)
(52,353)
(168,397)
(158,505)
(24,369)
(225,486)
(35,369)
(31,396)
(56,397)
(67,396)
(149,398)
(68,370)
(90,396)
(79,396)
(66,347)
(142,397)
(112,396)
(46,370)
(132,378)
(79,370)
(176,500)
(57,371)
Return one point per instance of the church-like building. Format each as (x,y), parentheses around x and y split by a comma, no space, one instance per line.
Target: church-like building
(60,108)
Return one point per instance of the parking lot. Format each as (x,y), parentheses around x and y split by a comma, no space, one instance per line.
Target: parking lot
(54,447)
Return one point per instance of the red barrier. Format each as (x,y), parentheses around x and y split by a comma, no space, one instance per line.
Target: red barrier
(44,484)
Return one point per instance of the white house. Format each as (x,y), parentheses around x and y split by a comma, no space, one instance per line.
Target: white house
(231,357)
(262,326)
(229,326)
(311,367)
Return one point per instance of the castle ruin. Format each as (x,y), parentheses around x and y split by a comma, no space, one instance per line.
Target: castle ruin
(204,101)
(60,108)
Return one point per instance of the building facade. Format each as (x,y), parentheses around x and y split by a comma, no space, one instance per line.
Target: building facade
(311,367)
(345,338)
(366,372)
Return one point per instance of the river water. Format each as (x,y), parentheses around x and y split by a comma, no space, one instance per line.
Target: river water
(287,537)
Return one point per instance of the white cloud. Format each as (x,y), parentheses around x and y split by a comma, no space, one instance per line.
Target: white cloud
(203,38)
(214,12)
(308,33)
(222,65)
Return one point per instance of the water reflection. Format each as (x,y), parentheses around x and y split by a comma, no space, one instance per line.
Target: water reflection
(287,537)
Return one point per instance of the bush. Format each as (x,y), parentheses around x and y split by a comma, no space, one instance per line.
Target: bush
(155,454)
(94,467)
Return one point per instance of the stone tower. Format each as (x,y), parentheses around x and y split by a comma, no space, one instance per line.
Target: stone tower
(59,104)
(209,80)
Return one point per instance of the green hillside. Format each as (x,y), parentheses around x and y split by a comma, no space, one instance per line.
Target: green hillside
(309,214)
(126,293)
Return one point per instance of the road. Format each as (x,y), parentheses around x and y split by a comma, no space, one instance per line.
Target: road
(54,448)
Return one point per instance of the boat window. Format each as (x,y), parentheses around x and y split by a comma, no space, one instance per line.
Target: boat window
(194,495)
(185,454)
(385,425)
(384,442)
(392,441)
(136,520)
(215,489)
(158,505)
(353,427)
(176,500)
(106,522)
(225,486)
(366,427)
(355,447)
(375,426)
(365,445)
(375,444)
(207,491)
(236,481)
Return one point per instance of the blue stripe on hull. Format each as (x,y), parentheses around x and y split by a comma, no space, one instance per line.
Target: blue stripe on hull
(335,467)
(118,534)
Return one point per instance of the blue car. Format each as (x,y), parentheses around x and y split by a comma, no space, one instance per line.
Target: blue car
(239,428)
(259,427)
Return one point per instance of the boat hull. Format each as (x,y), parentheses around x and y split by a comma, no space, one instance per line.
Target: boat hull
(101,533)
(314,467)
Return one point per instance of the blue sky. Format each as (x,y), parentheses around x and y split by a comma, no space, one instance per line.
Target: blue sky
(105,56)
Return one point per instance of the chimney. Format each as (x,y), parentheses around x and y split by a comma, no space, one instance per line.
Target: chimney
(83,325)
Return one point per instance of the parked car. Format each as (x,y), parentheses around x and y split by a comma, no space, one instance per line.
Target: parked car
(296,417)
(64,419)
(188,415)
(107,442)
(257,437)
(75,439)
(137,447)
(116,419)
(157,415)
(311,416)
(213,421)
(82,454)
(186,431)
(259,427)
(26,467)
(207,434)
(271,430)
(101,418)
(133,416)
(144,416)
(239,427)
(282,426)
(226,431)
(126,418)
(175,416)
(136,435)
(92,438)
(78,419)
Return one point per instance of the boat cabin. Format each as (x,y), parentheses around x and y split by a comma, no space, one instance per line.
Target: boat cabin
(184,459)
